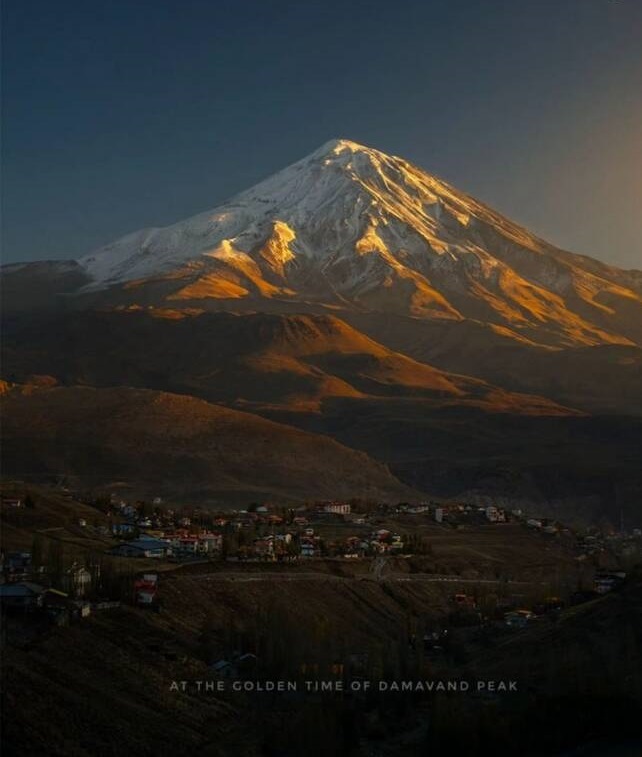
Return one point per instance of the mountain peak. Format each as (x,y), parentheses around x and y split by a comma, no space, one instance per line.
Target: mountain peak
(335,146)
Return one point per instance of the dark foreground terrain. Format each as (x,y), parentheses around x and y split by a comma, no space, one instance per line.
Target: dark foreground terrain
(103,685)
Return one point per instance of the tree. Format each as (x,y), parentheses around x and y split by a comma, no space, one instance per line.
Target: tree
(56,563)
(37,550)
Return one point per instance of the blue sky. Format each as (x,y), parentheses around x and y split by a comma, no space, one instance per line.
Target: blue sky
(132,113)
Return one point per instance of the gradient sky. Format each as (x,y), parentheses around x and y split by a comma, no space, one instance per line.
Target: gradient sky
(121,114)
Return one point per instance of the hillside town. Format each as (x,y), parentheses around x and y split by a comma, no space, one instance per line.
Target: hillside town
(148,533)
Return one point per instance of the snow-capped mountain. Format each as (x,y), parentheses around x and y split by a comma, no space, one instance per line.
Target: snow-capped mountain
(356,229)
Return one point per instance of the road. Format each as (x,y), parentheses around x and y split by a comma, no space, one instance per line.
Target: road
(374,575)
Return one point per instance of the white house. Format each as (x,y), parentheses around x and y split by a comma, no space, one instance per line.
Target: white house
(339,508)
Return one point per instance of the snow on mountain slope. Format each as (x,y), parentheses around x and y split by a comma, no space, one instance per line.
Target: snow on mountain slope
(352,227)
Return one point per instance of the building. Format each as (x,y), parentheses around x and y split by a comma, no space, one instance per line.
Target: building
(123,528)
(605,582)
(24,596)
(188,544)
(145,589)
(494,514)
(339,508)
(465,601)
(77,580)
(210,543)
(238,667)
(12,502)
(308,549)
(264,548)
(17,566)
(142,548)
(518,618)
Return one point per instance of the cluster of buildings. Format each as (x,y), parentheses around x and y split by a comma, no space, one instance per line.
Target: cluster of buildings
(169,535)
(180,543)
(25,589)
(18,567)
(459,514)
(308,544)
(622,545)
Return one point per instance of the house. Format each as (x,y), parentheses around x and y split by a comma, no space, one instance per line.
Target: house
(309,549)
(463,600)
(434,640)
(129,511)
(210,543)
(142,548)
(236,667)
(518,618)
(77,580)
(605,582)
(152,533)
(378,546)
(188,544)
(17,566)
(339,508)
(12,502)
(144,597)
(123,529)
(24,596)
(264,548)
(494,514)
(145,588)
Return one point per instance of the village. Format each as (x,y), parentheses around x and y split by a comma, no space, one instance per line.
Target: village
(389,541)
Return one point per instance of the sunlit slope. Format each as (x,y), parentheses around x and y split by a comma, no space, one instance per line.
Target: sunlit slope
(289,362)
